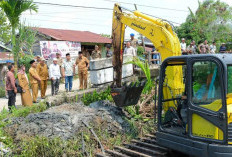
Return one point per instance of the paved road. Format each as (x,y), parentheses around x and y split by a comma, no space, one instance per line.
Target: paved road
(4,101)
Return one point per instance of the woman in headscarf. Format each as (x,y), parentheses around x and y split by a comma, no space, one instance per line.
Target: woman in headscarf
(24,83)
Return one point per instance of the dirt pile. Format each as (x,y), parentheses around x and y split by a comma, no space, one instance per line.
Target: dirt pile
(66,120)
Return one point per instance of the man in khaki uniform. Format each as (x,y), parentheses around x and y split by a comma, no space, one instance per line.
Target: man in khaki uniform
(34,80)
(59,59)
(133,41)
(42,70)
(96,53)
(83,64)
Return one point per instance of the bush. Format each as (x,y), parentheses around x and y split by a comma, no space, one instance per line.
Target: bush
(140,50)
(95,96)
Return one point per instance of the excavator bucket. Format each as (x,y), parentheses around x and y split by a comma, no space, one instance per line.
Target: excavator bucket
(127,95)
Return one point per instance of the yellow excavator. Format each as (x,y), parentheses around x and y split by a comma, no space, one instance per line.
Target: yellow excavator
(194,94)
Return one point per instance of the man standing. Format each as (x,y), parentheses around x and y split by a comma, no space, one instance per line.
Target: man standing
(83,64)
(4,73)
(194,47)
(155,56)
(190,49)
(10,87)
(109,53)
(42,70)
(222,48)
(85,52)
(183,47)
(129,50)
(133,41)
(203,47)
(213,48)
(96,54)
(59,59)
(68,71)
(54,74)
(34,80)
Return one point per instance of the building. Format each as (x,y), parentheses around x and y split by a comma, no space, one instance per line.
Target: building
(5,54)
(86,38)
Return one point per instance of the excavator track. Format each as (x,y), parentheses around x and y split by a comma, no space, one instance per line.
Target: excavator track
(143,147)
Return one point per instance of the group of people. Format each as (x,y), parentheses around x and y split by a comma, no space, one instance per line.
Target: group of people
(39,74)
(96,53)
(203,48)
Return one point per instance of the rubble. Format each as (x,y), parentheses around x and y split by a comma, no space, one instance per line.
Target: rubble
(66,120)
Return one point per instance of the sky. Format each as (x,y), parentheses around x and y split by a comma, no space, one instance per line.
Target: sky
(100,20)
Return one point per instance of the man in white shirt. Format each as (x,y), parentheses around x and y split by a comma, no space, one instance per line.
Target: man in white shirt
(54,74)
(213,48)
(68,71)
(183,47)
(129,50)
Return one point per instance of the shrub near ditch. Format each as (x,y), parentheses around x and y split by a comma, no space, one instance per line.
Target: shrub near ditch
(95,96)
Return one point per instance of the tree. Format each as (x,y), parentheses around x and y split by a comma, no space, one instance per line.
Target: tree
(211,21)
(4,28)
(25,40)
(13,10)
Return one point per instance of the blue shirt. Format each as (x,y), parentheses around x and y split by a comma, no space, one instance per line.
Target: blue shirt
(222,49)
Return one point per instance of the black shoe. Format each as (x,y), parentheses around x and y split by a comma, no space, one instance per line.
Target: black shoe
(66,90)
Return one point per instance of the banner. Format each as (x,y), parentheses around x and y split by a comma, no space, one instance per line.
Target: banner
(50,48)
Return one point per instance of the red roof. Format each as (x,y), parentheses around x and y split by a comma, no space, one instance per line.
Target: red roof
(73,35)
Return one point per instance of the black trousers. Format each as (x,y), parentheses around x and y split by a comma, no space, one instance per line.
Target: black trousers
(55,86)
(11,99)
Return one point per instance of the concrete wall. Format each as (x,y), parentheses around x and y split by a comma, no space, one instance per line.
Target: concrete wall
(101,70)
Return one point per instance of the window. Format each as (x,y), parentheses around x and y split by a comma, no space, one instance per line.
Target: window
(229,75)
(206,83)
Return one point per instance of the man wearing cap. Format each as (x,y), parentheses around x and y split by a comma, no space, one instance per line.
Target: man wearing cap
(54,74)
(183,47)
(34,80)
(109,53)
(96,54)
(4,73)
(42,70)
(68,71)
(133,41)
(83,64)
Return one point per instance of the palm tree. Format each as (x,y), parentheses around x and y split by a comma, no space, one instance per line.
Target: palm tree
(13,10)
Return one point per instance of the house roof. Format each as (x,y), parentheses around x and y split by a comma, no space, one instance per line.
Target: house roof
(4,56)
(6,48)
(73,35)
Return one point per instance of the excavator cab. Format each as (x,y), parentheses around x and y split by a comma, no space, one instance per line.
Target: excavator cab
(196,118)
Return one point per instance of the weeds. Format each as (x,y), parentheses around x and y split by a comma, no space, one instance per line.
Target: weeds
(95,96)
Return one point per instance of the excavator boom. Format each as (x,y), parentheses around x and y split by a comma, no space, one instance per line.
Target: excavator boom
(159,32)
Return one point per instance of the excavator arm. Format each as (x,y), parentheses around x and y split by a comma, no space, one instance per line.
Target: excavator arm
(159,32)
